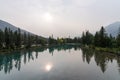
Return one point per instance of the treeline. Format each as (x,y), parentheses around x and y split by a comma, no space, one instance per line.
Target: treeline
(10,39)
(16,39)
(60,41)
(100,39)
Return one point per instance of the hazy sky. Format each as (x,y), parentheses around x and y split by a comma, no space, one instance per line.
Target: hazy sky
(60,17)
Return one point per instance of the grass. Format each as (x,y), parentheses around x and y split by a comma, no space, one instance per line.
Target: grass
(106,49)
(109,50)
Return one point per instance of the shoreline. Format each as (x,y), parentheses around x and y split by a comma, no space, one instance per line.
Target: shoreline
(109,50)
(18,49)
(2,51)
(115,51)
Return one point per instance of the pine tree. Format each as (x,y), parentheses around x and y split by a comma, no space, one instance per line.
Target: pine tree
(36,39)
(11,38)
(96,39)
(118,38)
(19,38)
(51,40)
(88,38)
(1,39)
(7,40)
(83,38)
(103,37)
(28,41)
(15,38)
(25,39)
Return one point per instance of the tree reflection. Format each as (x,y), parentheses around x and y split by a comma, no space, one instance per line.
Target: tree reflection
(87,55)
(100,58)
(64,47)
(118,60)
(13,60)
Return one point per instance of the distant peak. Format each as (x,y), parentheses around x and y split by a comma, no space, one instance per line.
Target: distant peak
(113,28)
(117,22)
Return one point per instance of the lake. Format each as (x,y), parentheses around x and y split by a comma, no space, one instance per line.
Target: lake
(59,63)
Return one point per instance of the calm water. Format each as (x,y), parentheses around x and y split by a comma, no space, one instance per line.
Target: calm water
(60,63)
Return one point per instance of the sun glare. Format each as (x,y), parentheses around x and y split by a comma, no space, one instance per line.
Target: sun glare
(48,67)
(48,17)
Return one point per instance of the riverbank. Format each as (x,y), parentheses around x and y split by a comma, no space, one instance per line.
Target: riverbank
(2,51)
(109,50)
(101,49)
(36,47)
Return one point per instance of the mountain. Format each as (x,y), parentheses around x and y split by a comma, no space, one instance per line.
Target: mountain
(113,29)
(4,24)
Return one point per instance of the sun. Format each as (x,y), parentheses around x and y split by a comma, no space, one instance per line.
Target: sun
(48,17)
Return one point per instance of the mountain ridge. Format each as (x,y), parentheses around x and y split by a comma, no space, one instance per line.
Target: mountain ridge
(4,24)
(113,28)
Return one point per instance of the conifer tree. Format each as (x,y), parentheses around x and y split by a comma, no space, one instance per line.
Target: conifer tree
(118,38)
(7,41)
(1,38)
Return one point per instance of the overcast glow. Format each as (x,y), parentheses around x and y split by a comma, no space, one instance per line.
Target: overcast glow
(48,17)
(62,18)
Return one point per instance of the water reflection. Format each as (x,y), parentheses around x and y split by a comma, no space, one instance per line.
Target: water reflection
(101,58)
(13,60)
(65,47)
(48,67)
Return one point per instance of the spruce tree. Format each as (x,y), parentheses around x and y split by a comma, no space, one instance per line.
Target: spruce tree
(1,38)
(15,39)
(25,39)
(19,38)
(118,38)
(96,39)
(103,37)
(28,41)
(7,40)
(11,38)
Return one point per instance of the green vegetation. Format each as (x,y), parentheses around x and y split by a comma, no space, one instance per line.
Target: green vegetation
(102,42)
(10,40)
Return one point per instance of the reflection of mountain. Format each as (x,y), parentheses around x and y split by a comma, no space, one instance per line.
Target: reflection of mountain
(8,62)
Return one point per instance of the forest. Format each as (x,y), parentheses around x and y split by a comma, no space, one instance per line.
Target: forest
(99,39)
(16,39)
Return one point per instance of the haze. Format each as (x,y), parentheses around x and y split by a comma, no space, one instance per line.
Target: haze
(62,18)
